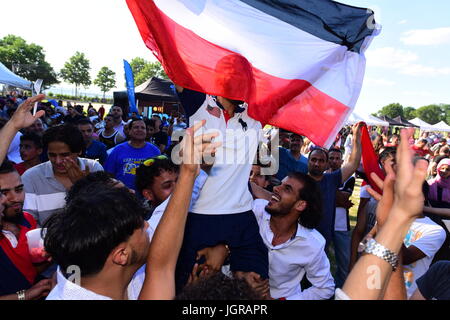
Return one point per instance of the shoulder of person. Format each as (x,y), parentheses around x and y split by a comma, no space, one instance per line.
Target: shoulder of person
(314,236)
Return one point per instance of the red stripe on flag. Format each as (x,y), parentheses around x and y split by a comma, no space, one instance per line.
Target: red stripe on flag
(197,64)
(370,159)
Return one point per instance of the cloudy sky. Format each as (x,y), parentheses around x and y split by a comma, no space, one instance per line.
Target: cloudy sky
(407,63)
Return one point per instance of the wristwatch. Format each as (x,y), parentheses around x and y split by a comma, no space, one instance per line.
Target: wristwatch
(382,252)
(21,295)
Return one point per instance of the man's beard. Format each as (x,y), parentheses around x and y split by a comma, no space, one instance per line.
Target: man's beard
(316,172)
(279,212)
(15,218)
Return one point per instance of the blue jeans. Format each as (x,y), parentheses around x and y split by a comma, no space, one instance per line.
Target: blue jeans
(342,244)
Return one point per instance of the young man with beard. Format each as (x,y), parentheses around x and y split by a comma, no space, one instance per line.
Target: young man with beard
(17,272)
(110,136)
(117,114)
(46,184)
(128,156)
(291,160)
(95,150)
(287,220)
(318,163)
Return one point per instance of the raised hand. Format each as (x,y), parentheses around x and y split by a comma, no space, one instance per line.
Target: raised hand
(74,171)
(23,118)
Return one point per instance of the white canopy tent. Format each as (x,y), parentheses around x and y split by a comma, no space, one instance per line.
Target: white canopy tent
(9,78)
(424,126)
(368,119)
(441,126)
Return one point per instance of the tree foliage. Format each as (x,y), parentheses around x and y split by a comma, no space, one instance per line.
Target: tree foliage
(105,80)
(26,60)
(144,70)
(409,113)
(392,110)
(432,113)
(76,71)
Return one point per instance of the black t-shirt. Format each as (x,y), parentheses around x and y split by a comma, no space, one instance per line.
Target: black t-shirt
(435,283)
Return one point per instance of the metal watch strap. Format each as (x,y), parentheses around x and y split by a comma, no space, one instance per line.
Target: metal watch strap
(21,295)
(382,252)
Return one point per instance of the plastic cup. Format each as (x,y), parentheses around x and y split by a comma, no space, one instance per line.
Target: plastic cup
(36,245)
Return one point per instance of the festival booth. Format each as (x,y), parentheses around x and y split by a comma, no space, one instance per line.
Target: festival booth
(424,126)
(9,78)
(154,95)
(368,119)
(405,122)
(441,126)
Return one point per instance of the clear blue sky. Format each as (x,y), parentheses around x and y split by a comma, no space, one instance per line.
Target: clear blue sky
(407,63)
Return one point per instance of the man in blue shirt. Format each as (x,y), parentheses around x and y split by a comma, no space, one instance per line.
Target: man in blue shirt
(94,149)
(330,182)
(291,160)
(128,156)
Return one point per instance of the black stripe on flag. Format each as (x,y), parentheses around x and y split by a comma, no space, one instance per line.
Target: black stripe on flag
(329,20)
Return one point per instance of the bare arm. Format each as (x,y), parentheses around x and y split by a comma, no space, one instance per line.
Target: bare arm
(22,118)
(407,206)
(166,243)
(355,157)
(444,212)
(259,192)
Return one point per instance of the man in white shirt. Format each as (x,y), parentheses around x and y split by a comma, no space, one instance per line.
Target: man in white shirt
(117,114)
(421,243)
(99,242)
(287,225)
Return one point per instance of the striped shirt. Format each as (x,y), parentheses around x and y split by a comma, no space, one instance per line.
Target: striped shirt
(44,195)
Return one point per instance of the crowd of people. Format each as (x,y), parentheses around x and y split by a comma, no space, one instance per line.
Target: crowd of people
(129,210)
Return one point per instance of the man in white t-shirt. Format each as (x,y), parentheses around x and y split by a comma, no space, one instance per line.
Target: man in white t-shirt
(421,243)
(287,225)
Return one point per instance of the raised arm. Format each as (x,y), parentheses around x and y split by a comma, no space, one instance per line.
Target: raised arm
(371,274)
(166,243)
(22,118)
(355,157)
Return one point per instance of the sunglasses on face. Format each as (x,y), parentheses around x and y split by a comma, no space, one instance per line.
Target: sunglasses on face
(151,161)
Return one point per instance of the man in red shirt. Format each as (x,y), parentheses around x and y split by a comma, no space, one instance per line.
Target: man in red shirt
(17,272)
(421,149)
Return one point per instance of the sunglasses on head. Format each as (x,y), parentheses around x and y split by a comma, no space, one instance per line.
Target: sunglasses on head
(150,161)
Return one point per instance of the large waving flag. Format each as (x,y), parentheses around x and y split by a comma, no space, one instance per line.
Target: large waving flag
(299,64)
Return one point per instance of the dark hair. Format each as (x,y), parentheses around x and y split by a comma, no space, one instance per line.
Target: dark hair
(130,124)
(149,122)
(424,140)
(84,121)
(7,167)
(325,151)
(101,177)
(389,151)
(67,134)
(33,137)
(311,193)
(335,150)
(146,174)
(218,287)
(92,224)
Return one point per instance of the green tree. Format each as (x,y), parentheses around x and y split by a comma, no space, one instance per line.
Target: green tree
(446,110)
(26,60)
(432,113)
(144,70)
(76,71)
(409,113)
(105,80)
(392,110)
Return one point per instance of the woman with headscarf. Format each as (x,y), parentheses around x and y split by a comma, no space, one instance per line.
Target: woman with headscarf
(439,193)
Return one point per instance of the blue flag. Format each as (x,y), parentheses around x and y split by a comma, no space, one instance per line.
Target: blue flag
(130,86)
